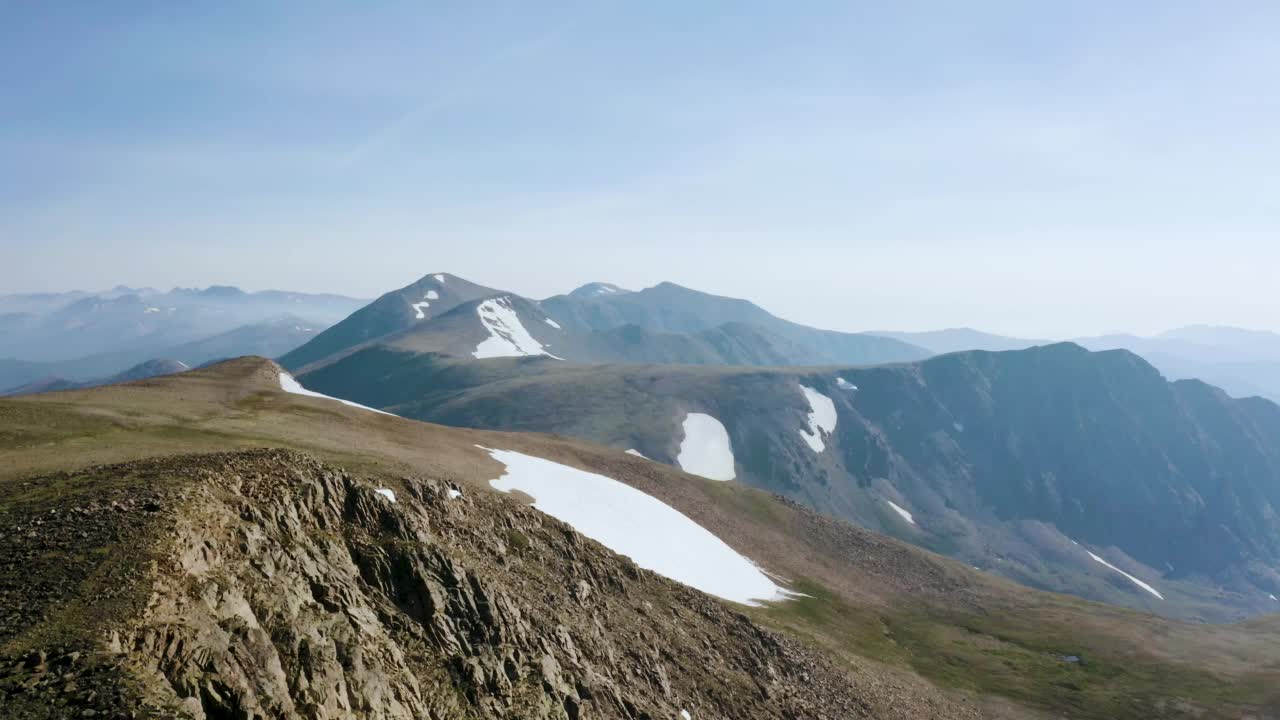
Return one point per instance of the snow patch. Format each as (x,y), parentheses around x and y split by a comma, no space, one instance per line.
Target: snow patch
(684,715)
(552,323)
(433,295)
(705,449)
(822,418)
(439,278)
(905,515)
(290,385)
(1132,579)
(150,310)
(454,494)
(1273,597)
(507,335)
(418,307)
(845,384)
(637,453)
(387,493)
(653,534)
(958,426)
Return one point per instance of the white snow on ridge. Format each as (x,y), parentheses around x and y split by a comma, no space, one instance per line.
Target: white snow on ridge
(845,384)
(454,494)
(439,278)
(905,514)
(552,323)
(289,385)
(637,453)
(507,335)
(822,418)
(705,449)
(1273,597)
(653,534)
(387,493)
(1132,579)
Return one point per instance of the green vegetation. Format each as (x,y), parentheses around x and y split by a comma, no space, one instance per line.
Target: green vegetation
(1039,665)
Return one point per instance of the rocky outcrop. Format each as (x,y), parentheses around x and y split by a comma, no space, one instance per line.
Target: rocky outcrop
(278,587)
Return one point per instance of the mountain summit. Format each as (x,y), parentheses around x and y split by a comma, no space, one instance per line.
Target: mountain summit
(431,296)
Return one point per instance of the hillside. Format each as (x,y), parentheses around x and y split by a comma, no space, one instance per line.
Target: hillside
(145,579)
(1038,464)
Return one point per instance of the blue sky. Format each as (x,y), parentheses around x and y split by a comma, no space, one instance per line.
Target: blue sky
(1034,168)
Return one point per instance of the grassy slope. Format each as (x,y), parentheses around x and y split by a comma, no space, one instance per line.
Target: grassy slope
(885,607)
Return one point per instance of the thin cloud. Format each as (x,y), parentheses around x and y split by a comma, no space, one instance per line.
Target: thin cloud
(465,84)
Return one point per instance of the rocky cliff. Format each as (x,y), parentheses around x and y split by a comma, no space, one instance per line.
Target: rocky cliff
(265,584)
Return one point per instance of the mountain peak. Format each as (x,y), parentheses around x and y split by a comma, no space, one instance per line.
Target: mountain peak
(222,291)
(438,278)
(597,289)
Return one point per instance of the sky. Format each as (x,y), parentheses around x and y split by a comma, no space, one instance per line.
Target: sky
(1039,169)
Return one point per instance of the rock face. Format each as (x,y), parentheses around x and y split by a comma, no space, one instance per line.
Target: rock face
(267,585)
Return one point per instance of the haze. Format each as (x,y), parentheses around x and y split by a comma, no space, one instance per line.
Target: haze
(1032,170)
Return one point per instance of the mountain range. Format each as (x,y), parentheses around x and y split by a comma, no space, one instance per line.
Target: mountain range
(1064,469)
(76,337)
(225,543)
(665,323)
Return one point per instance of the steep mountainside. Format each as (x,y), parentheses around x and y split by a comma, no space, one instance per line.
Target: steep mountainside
(1004,460)
(429,297)
(266,583)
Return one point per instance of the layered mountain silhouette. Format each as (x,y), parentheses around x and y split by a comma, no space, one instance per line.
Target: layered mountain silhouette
(1062,468)
(78,336)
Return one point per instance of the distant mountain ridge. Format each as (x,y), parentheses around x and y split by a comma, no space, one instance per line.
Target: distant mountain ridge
(61,327)
(141,371)
(1242,362)
(79,337)
(951,340)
